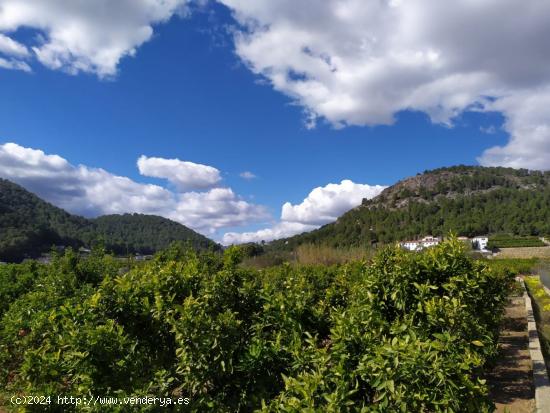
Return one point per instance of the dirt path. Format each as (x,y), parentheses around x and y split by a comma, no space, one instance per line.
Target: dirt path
(511,380)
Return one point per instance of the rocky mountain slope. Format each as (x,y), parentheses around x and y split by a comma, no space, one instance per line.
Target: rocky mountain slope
(467,200)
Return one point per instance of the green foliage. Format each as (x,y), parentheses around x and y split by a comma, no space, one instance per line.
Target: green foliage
(144,234)
(510,241)
(252,249)
(34,296)
(268,259)
(541,308)
(29,226)
(16,280)
(516,266)
(407,332)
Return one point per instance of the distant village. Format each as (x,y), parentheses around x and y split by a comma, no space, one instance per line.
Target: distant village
(479,243)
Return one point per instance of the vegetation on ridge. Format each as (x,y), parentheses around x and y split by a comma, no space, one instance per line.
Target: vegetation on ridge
(30,226)
(465,200)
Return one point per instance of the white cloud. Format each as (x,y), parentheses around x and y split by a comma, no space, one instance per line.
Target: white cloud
(321,206)
(325,204)
(247,175)
(83,35)
(94,191)
(14,64)
(350,62)
(281,229)
(359,62)
(185,175)
(489,130)
(528,122)
(11,47)
(217,208)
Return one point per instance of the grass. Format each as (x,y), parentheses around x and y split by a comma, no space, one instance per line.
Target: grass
(541,309)
(309,254)
(516,266)
(320,254)
(509,241)
(267,259)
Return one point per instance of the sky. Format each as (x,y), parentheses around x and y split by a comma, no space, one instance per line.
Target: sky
(250,120)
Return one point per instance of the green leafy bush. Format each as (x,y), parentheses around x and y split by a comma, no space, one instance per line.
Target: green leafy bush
(510,241)
(516,266)
(405,333)
(541,308)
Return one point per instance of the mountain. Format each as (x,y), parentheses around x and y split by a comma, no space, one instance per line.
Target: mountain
(144,233)
(468,200)
(30,226)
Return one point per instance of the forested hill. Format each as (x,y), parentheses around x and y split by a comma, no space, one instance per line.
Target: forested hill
(29,226)
(468,200)
(145,233)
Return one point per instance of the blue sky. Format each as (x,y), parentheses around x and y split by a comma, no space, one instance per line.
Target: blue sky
(189,92)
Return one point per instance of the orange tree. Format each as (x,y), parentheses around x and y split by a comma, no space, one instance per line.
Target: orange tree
(406,332)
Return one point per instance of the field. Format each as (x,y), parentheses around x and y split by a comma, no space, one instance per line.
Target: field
(525,252)
(308,254)
(509,241)
(404,332)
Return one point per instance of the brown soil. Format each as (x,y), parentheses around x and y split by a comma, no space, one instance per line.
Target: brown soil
(511,380)
(525,252)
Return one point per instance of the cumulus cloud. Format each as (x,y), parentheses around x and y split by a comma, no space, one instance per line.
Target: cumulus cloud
(82,35)
(78,189)
(94,191)
(217,208)
(359,62)
(325,204)
(321,206)
(528,123)
(11,47)
(349,62)
(247,175)
(14,53)
(281,229)
(185,175)
(14,64)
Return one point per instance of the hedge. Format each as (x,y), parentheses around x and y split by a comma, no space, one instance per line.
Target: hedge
(541,309)
(406,332)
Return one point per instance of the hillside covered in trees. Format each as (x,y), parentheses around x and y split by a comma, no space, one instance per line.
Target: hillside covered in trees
(30,226)
(468,200)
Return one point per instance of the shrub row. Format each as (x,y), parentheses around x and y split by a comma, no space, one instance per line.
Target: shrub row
(541,308)
(404,333)
(508,241)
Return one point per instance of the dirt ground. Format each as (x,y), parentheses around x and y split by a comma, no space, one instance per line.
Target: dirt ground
(526,252)
(511,380)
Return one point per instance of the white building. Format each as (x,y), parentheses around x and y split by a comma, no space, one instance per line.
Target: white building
(410,245)
(417,245)
(430,241)
(480,243)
